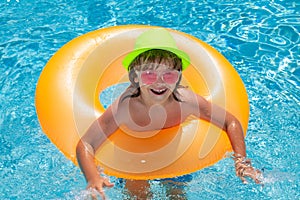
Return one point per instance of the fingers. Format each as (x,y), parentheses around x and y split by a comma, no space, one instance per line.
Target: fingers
(243,180)
(252,173)
(244,169)
(107,183)
(102,194)
(97,188)
(258,177)
(95,192)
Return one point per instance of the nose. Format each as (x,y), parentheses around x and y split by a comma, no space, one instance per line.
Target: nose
(159,79)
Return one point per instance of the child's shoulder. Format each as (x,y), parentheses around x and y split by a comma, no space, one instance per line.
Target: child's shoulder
(185,93)
(189,96)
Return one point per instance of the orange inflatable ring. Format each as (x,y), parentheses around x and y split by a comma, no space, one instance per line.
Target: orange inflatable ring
(67,102)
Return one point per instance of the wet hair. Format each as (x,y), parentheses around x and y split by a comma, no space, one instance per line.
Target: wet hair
(152,59)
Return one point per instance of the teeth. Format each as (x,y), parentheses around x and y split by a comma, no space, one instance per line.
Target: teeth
(159,91)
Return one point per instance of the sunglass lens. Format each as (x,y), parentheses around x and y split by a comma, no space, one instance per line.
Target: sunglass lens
(170,77)
(148,77)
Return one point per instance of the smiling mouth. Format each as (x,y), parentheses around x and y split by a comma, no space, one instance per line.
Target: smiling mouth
(158,91)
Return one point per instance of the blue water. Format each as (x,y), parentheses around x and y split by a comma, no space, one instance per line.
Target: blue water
(260,38)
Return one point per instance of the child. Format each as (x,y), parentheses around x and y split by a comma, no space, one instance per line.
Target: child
(155,100)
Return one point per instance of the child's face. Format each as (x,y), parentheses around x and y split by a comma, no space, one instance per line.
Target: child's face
(157,81)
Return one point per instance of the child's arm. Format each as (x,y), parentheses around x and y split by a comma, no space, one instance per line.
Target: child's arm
(85,159)
(97,133)
(235,134)
(233,128)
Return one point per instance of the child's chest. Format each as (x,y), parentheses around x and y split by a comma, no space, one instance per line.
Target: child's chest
(140,118)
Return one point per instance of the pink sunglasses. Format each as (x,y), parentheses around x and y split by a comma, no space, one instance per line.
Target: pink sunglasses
(149,77)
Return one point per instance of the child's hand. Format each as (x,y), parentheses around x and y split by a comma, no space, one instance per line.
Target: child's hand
(243,169)
(98,184)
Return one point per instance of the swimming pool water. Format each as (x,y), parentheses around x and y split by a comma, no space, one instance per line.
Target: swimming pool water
(260,39)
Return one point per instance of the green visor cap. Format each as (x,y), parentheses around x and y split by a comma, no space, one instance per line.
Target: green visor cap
(157,38)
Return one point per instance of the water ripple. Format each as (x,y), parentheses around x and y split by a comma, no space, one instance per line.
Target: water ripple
(260,38)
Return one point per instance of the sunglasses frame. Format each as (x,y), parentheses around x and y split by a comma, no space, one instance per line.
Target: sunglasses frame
(159,74)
